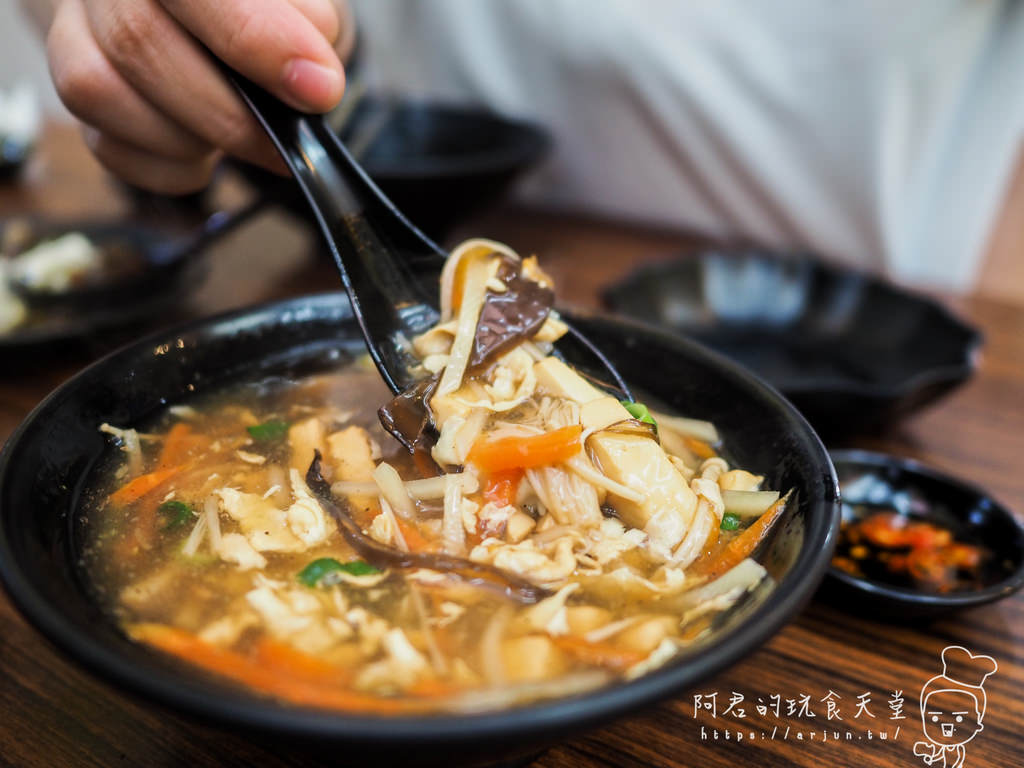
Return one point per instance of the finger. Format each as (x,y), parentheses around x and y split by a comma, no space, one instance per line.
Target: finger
(323,14)
(142,168)
(346,40)
(93,91)
(170,70)
(272,43)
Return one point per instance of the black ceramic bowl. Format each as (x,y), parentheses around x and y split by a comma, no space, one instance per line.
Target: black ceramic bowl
(438,163)
(48,459)
(13,154)
(852,352)
(154,270)
(875,481)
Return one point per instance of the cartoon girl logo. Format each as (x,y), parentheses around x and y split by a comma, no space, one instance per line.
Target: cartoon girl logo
(953,707)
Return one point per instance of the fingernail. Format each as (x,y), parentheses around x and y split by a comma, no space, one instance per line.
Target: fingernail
(313,86)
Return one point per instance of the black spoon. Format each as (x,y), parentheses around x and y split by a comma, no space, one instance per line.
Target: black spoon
(389,268)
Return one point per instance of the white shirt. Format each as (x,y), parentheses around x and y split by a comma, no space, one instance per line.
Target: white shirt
(883,134)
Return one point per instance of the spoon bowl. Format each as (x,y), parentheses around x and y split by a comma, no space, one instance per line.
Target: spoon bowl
(389,268)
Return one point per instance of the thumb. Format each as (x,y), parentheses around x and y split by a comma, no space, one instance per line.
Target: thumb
(273,43)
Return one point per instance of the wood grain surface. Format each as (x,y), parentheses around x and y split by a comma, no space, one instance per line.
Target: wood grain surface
(54,714)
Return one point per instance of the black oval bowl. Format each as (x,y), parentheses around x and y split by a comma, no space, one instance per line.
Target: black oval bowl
(908,487)
(168,265)
(852,352)
(48,460)
(439,163)
(13,154)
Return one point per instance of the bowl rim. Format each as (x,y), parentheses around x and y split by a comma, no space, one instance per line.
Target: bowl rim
(877,590)
(972,338)
(547,718)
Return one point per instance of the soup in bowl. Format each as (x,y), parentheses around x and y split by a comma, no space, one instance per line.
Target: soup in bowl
(214,518)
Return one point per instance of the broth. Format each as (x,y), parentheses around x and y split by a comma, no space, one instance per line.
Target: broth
(546,539)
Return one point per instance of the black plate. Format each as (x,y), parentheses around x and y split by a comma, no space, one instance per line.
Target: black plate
(438,163)
(852,352)
(877,481)
(46,462)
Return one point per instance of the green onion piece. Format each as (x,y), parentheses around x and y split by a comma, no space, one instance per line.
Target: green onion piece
(268,431)
(316,570)
(176,514)
(639,412)
(730,522)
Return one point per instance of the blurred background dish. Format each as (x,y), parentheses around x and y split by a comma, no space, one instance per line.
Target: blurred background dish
(66,280)
(439,163)
(944,544)
(852,352)
(20,118)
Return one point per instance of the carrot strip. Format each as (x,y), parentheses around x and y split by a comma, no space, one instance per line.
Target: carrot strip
(712,539)
(143,484)
(502,487)
(179,444)
(266,679)
(431,688)
(525,452)
(298,665)
(599,654)
(740,547)
(701,448)
(415,540)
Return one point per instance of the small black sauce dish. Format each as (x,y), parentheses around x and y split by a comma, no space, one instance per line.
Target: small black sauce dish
(47,462)
(875,482)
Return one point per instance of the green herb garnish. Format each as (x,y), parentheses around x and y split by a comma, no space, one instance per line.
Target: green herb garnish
(730,522)
(268,431)
(176,514)
(639,412)
(312,574)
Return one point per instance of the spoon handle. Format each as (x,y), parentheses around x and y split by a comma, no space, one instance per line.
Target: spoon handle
(388,267)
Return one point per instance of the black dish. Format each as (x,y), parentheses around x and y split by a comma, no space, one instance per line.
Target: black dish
(13,154)
(874,480)
(46,461)
(438,163)
(853,353)
(165,266)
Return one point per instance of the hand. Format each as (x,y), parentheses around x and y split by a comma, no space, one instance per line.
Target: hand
(156,111)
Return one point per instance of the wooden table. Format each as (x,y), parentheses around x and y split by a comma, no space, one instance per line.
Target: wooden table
(53,714)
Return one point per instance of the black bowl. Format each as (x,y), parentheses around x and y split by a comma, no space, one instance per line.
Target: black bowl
(48,459)
(439,163)
(160,268)
(870,481)
(13,154)
(853,353)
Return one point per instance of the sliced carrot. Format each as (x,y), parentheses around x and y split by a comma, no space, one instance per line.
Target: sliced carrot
(600,654)
(701,448)
(266,679)
(298,665)
(502,487)
(415,540)
(180,444)
(741,547)
(431,688)
(712,538)
(143,484)
(525,452)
